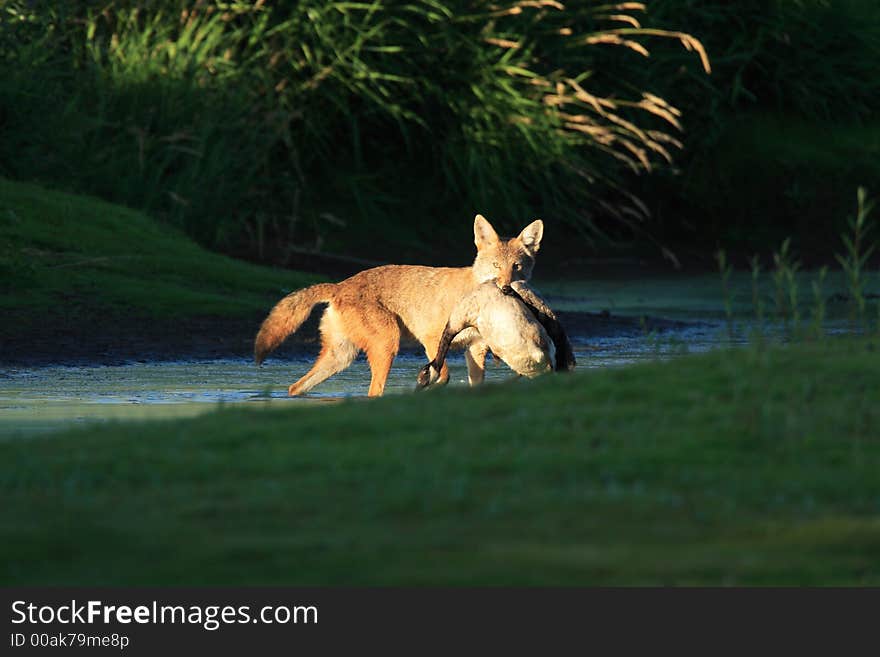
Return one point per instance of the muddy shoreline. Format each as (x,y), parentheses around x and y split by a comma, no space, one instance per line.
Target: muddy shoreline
(119,340)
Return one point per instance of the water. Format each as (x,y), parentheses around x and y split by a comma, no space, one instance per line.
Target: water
(35,400)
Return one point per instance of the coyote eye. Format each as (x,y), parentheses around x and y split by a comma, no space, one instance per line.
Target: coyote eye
(496,265)
(517,266)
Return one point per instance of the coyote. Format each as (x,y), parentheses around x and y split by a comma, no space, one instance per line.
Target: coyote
(373,309)
(515,324)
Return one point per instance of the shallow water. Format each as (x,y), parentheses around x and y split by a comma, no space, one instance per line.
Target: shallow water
(39,399)
(34,400)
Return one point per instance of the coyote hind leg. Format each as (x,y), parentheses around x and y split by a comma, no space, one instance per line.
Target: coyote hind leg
(331,360)
(337,353)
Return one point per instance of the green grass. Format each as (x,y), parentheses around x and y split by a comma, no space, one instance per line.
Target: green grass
(744,467)
(61,253)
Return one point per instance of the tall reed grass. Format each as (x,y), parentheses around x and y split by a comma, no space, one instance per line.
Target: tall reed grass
(256,123)
(854,260)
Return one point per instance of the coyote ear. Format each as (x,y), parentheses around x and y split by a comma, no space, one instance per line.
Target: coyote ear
(484,234)
(532,234)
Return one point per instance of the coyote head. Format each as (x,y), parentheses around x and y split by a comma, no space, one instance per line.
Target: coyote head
(505,260)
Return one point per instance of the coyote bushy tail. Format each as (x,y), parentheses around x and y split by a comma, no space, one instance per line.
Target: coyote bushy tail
(287,316)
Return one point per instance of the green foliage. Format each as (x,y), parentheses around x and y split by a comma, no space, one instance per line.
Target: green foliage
(771,176)
(781,130)
(270,127)
(854,261)
(785,284)
(812,59)
(256,121)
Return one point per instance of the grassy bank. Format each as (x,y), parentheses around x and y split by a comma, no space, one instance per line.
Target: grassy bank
(75,256)
(729,468)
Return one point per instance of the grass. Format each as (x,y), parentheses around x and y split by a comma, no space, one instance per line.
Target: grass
(754,466)
(858,251)
(61,254)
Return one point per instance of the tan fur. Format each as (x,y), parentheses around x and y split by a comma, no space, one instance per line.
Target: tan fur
(372,309)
